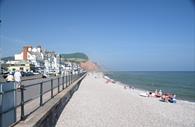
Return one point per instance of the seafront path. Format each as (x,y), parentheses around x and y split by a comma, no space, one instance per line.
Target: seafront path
(32,93)
(101,104)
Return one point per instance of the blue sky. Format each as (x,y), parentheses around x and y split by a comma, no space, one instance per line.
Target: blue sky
(135,35)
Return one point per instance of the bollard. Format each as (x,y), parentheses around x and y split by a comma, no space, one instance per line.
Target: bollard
(41,94)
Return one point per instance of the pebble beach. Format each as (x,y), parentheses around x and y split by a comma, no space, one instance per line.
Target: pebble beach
(99,103)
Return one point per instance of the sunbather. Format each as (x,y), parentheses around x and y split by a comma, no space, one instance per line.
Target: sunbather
(173,99)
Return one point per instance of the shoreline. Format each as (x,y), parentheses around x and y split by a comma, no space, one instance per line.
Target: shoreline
(144,90)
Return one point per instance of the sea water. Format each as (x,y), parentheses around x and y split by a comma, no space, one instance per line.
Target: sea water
(180,83)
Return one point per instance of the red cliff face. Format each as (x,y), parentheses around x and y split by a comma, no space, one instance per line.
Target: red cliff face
(89,66)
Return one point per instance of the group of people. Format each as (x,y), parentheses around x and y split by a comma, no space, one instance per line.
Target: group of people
(168,98)
(129,87)
(16,77)
(155,94)
(165,97)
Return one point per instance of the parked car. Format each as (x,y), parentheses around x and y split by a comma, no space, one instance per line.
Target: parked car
(25,74)
(44,75)
(36,73)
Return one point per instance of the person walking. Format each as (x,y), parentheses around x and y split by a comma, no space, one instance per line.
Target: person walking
(17,78)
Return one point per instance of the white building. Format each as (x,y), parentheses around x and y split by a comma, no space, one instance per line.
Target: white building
(51,60)
(47,61)
(30,54)
(33,55)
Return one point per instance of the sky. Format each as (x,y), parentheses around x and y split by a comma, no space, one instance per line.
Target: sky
(128,35)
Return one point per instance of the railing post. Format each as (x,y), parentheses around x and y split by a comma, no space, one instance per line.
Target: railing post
(66,80)
(51,88)
(69,80)
(72,78)
(58,84)
(22,102)
(63,82)
(41,94)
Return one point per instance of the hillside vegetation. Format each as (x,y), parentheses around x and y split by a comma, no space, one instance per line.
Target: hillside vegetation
(76,57)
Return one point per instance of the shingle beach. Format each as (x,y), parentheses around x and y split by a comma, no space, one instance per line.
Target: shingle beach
(101,104)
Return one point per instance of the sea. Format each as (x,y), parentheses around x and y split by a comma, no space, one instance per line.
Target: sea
(181,83)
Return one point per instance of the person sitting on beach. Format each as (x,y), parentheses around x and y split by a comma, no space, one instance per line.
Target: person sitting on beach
(159,94)
(10,77)
(156,92)
(131,88)
(147,93)
(164,98)
(173,99)
(167,97)
(150,94)
(153,95)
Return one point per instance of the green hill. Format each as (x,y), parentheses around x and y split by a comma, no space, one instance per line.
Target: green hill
(76,57)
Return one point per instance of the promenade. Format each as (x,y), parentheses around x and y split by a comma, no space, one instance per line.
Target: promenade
(101,104)
(34,95)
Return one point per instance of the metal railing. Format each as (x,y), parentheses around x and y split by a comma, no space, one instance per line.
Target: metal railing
(30,97)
